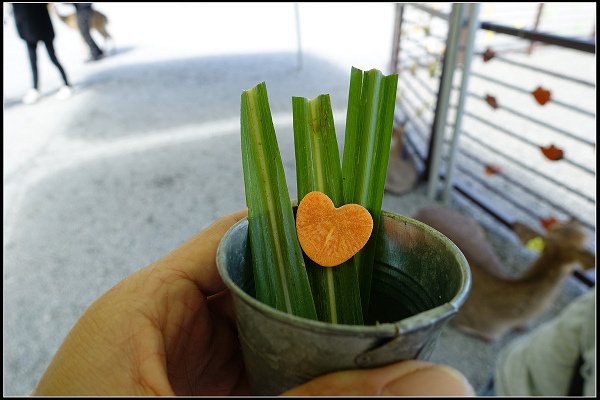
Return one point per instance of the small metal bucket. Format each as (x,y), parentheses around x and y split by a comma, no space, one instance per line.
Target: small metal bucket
(420,279)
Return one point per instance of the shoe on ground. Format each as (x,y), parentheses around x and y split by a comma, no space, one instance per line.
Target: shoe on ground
(64,93)
(95,58)
(31,96)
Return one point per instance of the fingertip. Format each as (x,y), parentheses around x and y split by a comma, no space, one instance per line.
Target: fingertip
(406,378)
(432,380)
(240,214)
(219,227)
(230,219)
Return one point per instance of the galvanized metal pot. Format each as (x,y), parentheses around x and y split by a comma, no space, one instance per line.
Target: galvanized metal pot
(420,279)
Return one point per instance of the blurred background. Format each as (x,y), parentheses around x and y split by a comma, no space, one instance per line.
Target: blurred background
(145,150)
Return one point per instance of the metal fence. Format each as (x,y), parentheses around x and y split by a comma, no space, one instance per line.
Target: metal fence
(511,132)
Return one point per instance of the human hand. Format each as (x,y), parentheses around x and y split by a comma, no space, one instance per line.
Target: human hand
(169,329)
(166,329)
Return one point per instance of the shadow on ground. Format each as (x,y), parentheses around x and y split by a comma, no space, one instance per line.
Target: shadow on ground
(11,102)
(134,99)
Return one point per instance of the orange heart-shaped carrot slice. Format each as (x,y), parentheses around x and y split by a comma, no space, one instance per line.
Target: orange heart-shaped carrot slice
(328,235)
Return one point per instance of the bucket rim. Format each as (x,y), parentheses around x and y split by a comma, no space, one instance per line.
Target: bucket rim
(386,329)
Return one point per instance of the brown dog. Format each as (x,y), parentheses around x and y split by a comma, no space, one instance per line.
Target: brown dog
(98,22)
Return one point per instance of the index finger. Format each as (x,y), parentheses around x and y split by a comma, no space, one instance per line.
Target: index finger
(196,258)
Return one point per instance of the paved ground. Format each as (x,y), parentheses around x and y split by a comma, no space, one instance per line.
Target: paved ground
(146,153)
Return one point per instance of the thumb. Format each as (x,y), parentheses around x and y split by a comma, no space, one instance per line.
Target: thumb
(407,378)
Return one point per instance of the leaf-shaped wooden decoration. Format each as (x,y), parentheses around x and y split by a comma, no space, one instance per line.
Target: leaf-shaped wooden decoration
(492,169)
(541,95)
(488,54)
(548,222)
(432,68)
(491,100)
(552,152)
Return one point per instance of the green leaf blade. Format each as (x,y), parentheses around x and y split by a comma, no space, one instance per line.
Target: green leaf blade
(279,271)
(369,124)
(336,290)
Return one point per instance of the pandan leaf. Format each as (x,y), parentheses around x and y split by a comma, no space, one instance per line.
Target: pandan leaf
(369,124)
(318,168)
(279,270)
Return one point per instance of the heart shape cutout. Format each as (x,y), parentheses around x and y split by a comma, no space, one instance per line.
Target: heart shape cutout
(542,96)
(328,235)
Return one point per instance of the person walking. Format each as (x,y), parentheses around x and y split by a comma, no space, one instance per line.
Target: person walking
(84,14)
(34,25)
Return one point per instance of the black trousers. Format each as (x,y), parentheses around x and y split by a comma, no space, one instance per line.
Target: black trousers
(83,20)
(32,49)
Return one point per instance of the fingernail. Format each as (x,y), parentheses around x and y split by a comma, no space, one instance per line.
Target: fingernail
(434,380)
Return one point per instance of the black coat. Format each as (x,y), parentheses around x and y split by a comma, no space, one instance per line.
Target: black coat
(83,6)
(33,21)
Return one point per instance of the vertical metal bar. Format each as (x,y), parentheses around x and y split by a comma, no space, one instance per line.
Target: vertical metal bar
(536,24)
(435,122)
(441,111)
(298,41)
(464,85)
(394,67)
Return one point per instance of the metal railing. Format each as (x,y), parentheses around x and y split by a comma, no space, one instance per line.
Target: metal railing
(444,145)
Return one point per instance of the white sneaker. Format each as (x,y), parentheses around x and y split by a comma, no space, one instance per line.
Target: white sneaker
(31,96)
(64,93)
